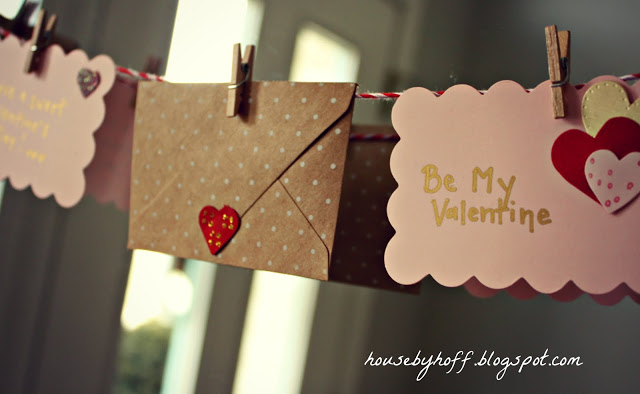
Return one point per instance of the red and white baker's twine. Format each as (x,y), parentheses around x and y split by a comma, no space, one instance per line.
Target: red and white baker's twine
(395,95)
(131,73)
(126,72)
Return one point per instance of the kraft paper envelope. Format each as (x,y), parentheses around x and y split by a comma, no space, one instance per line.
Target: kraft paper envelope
(280,166)
(363,229)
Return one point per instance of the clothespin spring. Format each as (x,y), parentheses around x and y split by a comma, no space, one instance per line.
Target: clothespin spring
(236,89)
(564,63)
(246,67)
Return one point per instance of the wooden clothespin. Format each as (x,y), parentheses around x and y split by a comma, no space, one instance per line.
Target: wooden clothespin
(240,77)
(558,45)
(40,38)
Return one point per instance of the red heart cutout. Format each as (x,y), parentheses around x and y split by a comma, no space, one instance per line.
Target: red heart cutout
(218,227)
(572,148)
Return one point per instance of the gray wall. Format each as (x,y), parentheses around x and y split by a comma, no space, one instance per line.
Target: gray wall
(61,287)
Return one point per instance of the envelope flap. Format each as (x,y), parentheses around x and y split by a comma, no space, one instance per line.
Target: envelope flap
(188,154)
(315,180)
(274,236)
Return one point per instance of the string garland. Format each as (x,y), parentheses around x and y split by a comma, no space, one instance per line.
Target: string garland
(130,75)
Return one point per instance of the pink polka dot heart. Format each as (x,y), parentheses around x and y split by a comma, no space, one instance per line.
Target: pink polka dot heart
(614,182)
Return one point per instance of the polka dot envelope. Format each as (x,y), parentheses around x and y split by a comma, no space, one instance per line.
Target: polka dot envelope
(279,166)
(363,230)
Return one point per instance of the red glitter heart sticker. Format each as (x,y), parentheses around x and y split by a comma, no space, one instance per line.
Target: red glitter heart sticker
(218,226)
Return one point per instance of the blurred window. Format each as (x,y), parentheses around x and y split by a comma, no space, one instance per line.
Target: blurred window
(321,55)
(10,8)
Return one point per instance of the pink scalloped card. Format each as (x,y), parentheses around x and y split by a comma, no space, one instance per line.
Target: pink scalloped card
(495,193)
(109,174)
(523,291)
(47,118)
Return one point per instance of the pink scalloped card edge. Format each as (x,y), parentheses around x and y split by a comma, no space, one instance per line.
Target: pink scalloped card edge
(47,119)
(108,175)
(512,131)
(521,290)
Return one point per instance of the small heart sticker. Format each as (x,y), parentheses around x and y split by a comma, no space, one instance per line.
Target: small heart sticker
(614,182)
(218,226)
(88,81)
(606,100)
(571,150)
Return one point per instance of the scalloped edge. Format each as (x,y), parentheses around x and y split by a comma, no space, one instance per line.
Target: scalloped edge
(572,292)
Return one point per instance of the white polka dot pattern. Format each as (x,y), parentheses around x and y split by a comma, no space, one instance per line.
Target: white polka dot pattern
(215,160)
(363,230)
(318,178)
(264,239)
